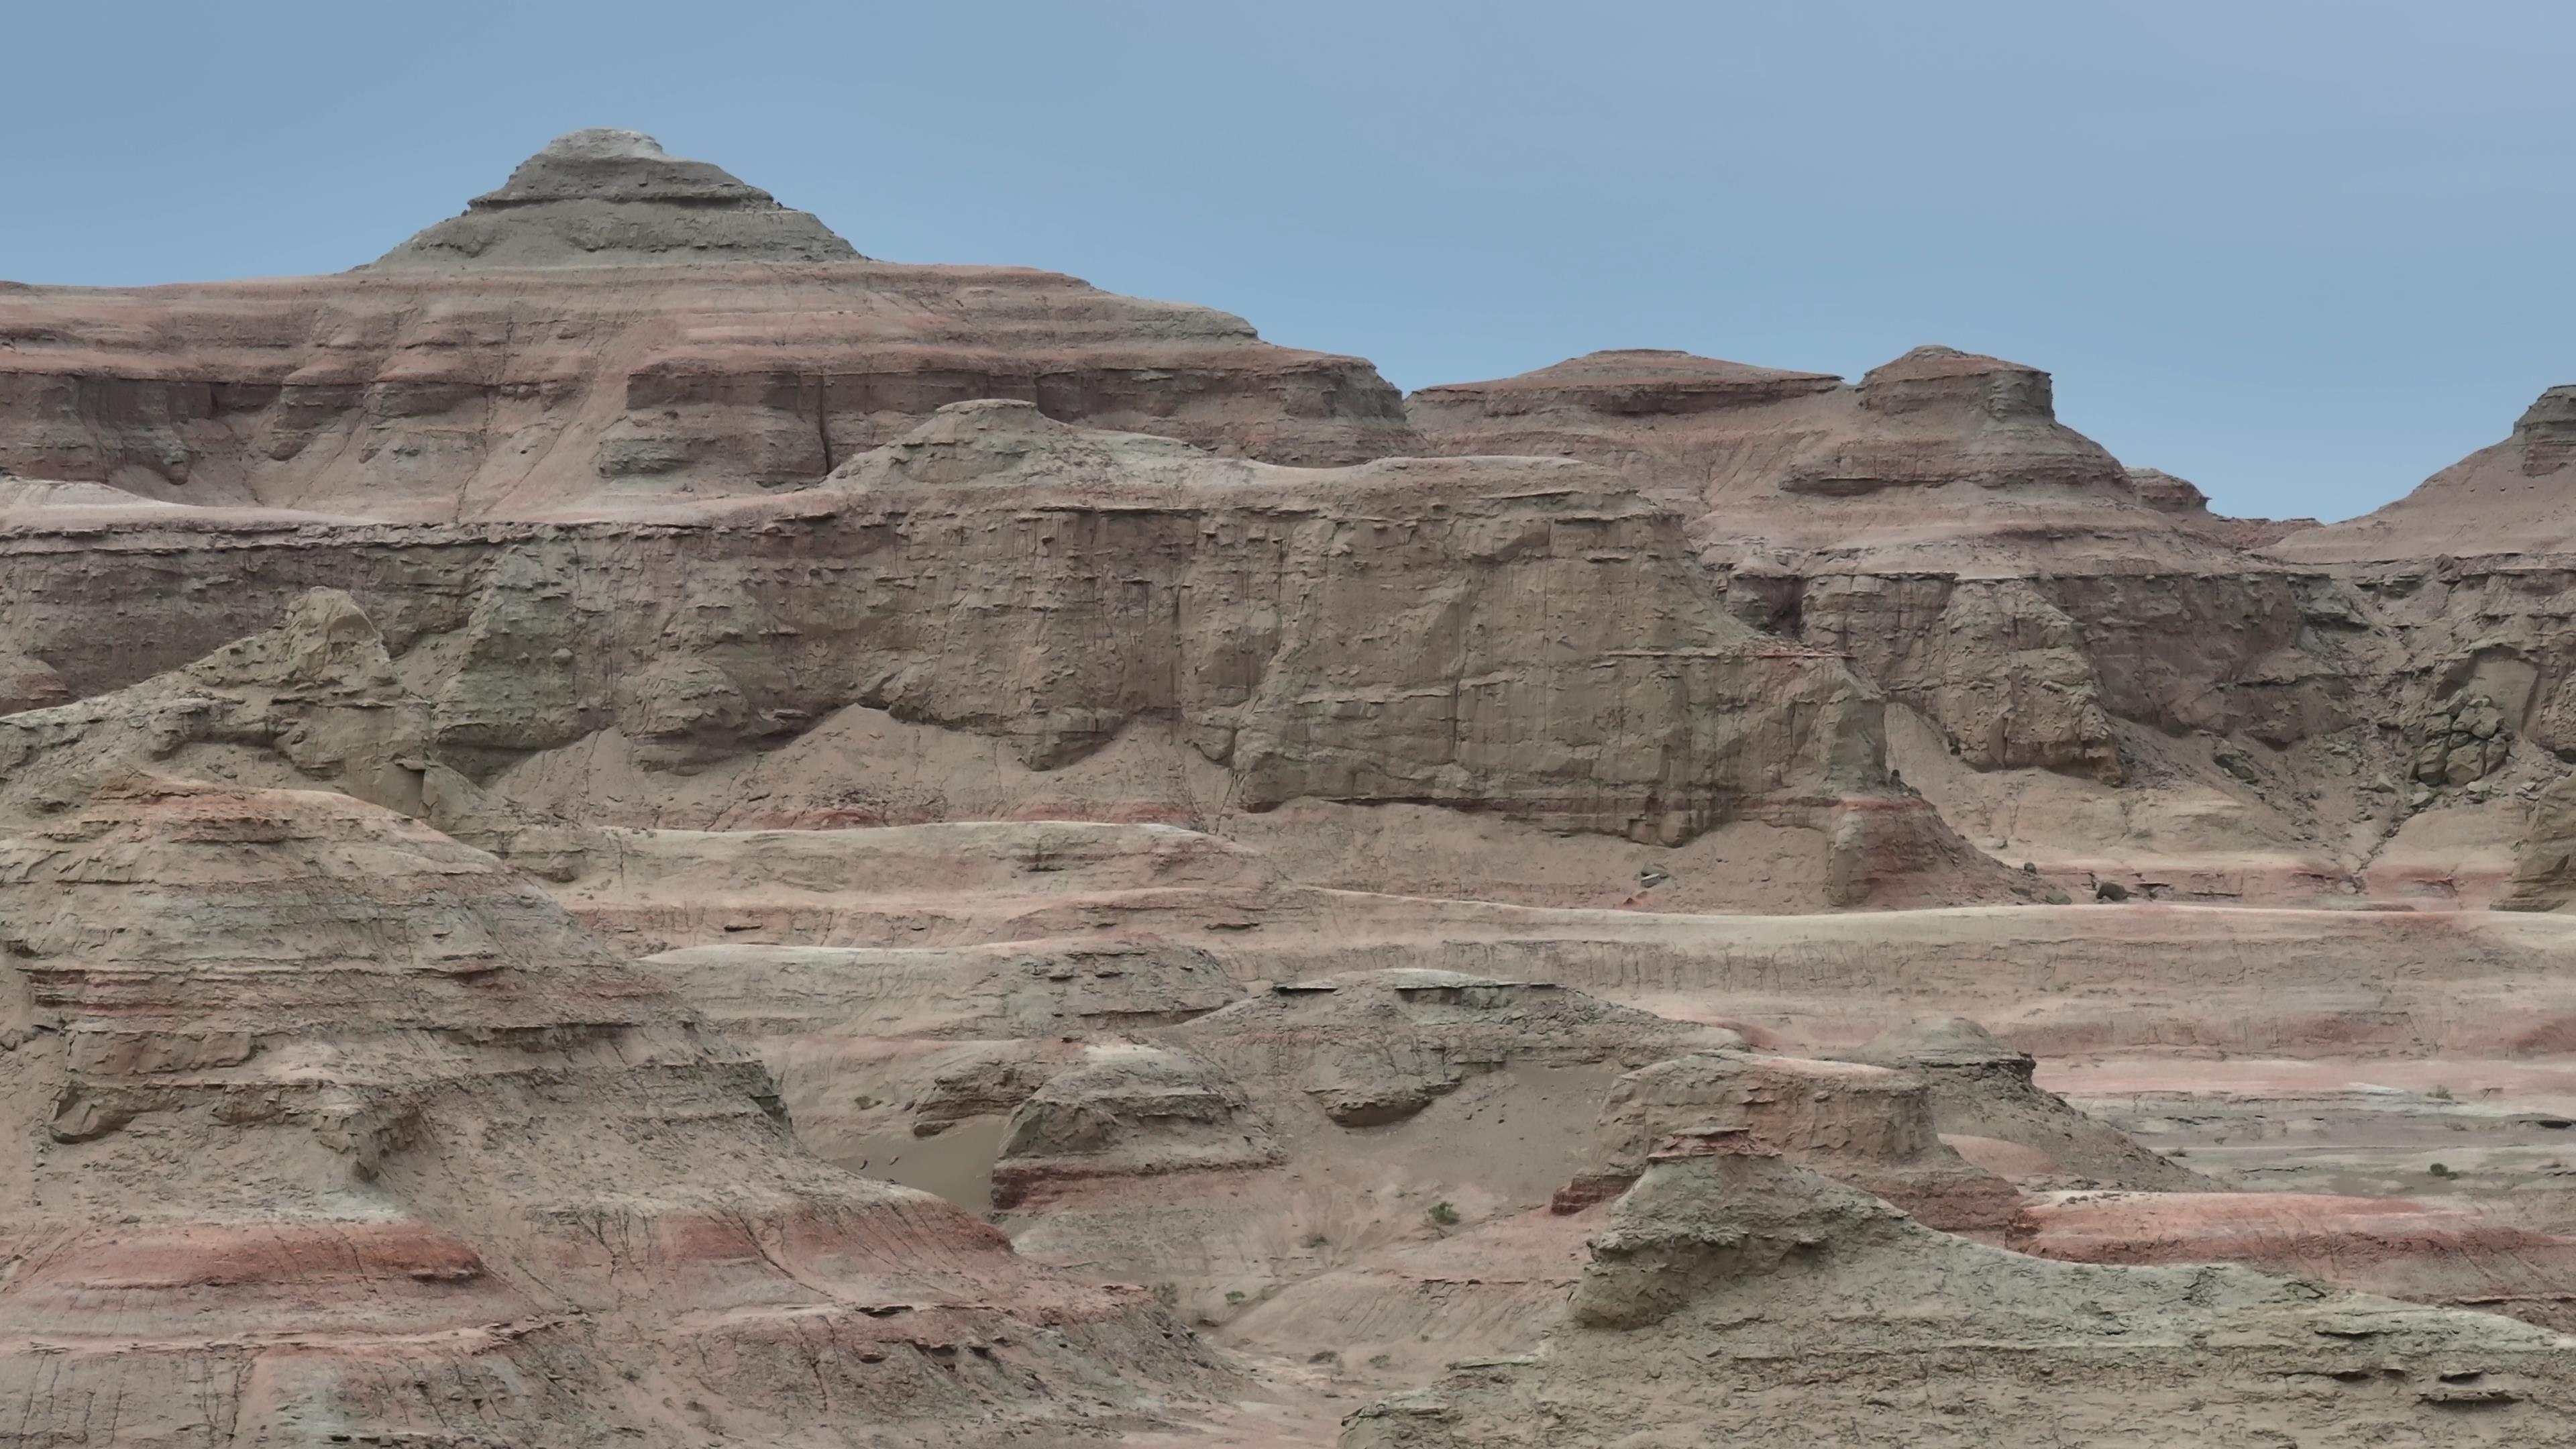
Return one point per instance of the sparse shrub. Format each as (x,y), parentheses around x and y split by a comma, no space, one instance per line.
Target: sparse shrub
(2440,1093)
(1234,1295)
(1443,1214)
(2440,1170)
(1315,1240)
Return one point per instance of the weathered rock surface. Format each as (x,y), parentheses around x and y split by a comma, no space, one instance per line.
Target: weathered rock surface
(1373,1048)
(1299,1127)
(1740,1295)
(1867,1126)
(2513,498)
(1982,1089)
(604,197)
(2186,504)
(1979,560)
(2544,867)
(329,1127)
(614,320)
(1663,402)
(1254,877)
(1361,636)
(1128,1111)
(2455,1256)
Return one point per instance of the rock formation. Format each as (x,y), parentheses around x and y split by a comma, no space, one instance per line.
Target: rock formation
(1084,789)
(1128,1112)
(614,320)
(1981,1092)
(2507,499)
(1738,1295)
(1236,614)
(1866,1126)
(2456,1256)
(608,198)
(2544,867)
(2183,500)
(332,1128)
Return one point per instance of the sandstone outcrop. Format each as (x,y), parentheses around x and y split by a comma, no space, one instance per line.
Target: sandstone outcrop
(1863,1125)
(1935,523)
(874,1046)
(1373,1048)
(1982,1089)
(1128,1111)
(2186,504)
(2544,867)
(1738,1295)
(28,684)
(1766,460)
(2454,1256)
(312,701)
(1359,636)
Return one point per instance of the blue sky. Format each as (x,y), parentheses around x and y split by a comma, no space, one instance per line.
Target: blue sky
(2301,252)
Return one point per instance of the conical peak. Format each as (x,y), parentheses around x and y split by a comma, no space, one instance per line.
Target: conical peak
(610,165)
(606,197)
(2551,416)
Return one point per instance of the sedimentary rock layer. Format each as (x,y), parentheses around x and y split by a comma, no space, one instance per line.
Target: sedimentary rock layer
(617,321)
(1737,1295)
(327,1127)
(1520,636)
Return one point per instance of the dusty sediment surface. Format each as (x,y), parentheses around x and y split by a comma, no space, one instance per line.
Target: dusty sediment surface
(1060,873)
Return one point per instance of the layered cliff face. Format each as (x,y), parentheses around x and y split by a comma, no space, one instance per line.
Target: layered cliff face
(1934,521)
(615,320)
(1926,456)
(1516,636)
(2086,668)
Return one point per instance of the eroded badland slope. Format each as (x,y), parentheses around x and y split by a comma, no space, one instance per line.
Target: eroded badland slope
(626,825)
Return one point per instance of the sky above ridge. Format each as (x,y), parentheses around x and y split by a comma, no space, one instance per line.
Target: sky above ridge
(2303,252)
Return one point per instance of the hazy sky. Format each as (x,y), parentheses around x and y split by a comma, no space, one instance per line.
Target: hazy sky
(2301,251)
